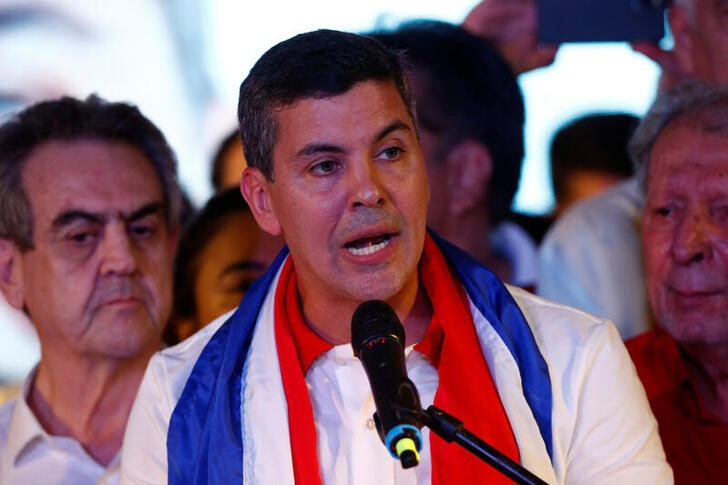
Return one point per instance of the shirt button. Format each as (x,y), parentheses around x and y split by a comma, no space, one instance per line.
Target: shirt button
(370,423)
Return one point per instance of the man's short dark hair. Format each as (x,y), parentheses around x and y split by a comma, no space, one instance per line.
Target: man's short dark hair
(470,93)
(319,64)
(68,119)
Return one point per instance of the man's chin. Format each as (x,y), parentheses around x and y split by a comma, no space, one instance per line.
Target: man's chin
(694,328)
(383,287)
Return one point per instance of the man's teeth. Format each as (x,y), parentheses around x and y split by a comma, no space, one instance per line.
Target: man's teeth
(369,248)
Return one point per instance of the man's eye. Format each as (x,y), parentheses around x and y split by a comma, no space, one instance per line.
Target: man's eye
(141,230)
(144,227)
(663,211)
(82,237)
(391,153)
(324,168)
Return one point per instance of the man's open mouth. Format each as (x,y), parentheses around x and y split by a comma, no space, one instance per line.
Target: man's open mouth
(368,245)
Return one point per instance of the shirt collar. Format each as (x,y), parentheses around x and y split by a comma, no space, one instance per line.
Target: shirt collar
(24,429)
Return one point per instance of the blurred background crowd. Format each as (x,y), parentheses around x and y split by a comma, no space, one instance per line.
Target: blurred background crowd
(181,62)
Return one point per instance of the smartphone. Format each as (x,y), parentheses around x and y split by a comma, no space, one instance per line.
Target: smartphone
(562,21)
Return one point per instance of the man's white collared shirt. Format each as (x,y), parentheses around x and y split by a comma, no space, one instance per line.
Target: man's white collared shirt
(29,455)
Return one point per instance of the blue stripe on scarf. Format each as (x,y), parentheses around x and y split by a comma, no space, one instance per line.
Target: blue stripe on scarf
(204,441)
(496,304)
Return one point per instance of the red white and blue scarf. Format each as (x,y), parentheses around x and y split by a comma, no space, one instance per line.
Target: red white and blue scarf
(205,442)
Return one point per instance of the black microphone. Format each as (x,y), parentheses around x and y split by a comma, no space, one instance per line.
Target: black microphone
(378,339)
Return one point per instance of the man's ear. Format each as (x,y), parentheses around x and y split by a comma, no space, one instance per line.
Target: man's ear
(256,191)
(469,168)
(11,276)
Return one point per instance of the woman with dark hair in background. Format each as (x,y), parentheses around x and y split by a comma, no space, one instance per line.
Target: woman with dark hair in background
(220,253)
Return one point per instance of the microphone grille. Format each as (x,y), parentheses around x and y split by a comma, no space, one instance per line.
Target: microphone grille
(374,319)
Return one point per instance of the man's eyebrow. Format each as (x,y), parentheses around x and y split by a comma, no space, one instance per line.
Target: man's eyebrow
(65,218)
(396,125)
(73,215)
(315,148)
(145,210)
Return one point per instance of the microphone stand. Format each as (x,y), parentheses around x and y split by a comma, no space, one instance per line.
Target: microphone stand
(451,429)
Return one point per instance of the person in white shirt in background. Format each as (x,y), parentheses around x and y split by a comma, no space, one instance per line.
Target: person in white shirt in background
(87,236)
(470,118)
(146,52)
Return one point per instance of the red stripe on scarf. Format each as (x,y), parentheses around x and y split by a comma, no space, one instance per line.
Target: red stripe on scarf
(466,389)
(292,337)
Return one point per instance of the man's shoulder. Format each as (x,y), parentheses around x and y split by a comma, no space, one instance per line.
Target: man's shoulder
(175,363)
(565,333)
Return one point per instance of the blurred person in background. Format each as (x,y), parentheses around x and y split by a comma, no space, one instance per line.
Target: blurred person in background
(228,163)
(588,155)
(681,149)
(700,32)
(146,52)
(592,257)
(220,254)
(87,235)
(470,120)
(511,27)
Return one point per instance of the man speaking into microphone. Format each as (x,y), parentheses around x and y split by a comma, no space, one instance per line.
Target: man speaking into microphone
(272,393)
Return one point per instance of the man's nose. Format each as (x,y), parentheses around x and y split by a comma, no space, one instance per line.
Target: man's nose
(693,236)
(118,252)
(367,185)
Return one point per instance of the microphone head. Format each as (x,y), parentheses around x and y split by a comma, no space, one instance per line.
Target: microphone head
(375,319)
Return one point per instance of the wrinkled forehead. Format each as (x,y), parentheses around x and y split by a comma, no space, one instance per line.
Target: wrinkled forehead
(684,150)
(97,164)
(277,105)
(316,102)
